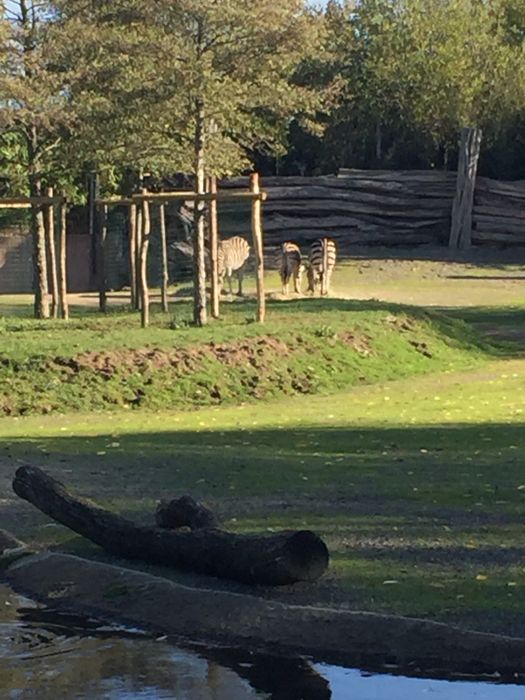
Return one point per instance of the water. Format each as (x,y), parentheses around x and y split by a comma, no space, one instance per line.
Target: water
(46,655)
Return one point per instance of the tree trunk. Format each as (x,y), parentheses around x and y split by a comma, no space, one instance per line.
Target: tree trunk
(164,258)
(102,234)
(52,256)
(461,224)
(257,238)
(277,559)
(143,268)
(199,269)
(214,247)
(64,306)
(41,306)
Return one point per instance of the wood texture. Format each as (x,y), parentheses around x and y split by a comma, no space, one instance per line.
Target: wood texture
(62,269)
(101,258)
(164,276)
(258,247)
(277,559)
(213,227)
(143,267)
(52,267)
(461,223)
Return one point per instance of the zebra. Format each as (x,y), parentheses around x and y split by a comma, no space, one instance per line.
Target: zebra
(290,266)
(321,263)
(231,256)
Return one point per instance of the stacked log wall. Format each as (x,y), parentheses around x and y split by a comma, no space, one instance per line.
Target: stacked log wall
(377,207)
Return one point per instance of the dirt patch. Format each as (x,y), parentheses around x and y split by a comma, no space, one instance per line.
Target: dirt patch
(183,360)
(359,342)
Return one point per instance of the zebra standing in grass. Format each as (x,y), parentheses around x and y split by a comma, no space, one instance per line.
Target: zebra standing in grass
(231,256)
(290,266)
(321,263)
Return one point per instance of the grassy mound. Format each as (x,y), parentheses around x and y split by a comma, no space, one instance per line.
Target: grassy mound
(307,347)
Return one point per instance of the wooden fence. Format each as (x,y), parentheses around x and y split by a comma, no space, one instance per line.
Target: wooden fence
(380,207)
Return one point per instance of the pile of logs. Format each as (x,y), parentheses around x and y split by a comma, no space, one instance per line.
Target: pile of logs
(378,207)
(357,207)
(499,212)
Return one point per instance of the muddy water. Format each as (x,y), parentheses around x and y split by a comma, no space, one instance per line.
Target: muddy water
(46,655)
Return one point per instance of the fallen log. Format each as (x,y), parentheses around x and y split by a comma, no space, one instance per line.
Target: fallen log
(184,512)
(274,560)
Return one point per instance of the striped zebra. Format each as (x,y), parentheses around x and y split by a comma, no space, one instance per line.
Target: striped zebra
(321,263)
(290,266)
(231,256)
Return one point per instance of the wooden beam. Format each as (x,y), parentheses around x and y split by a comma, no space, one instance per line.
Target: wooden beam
(214,250)
(51,250)
(101,267)
(12,202)
(143,268)
(203,197)
(164,257)
(62,247)
(257,237)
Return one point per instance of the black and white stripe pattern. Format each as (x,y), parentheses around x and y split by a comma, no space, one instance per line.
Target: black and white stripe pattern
(231,256)
(321,263)
(290,266)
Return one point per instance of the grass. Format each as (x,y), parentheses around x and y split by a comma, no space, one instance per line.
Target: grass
(413,475)
(308,346)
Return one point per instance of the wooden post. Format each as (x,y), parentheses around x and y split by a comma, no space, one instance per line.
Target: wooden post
(101,262)
(132,252)
(461,224)
(51,253)
(62,241)
(199,215)
(214,248)
(138,244)
(164,258)
(143,268)
(93,215)
(257,237)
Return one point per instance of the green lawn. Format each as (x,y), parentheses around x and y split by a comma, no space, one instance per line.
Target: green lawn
(414,475)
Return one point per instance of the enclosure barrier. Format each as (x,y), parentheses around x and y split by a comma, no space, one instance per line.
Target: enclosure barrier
(45,235)
(139,232)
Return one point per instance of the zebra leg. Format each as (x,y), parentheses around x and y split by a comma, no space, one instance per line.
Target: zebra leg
(239,277)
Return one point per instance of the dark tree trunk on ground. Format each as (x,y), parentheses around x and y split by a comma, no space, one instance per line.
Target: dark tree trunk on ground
(277,559)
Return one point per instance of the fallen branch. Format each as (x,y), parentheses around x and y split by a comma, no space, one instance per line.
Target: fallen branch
(278,559)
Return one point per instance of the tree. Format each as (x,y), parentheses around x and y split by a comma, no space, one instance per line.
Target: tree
(34,115)
(426,68)
(212,81)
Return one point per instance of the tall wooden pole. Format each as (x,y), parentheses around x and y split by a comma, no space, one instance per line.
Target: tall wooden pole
(461,223)
(132,252)
(164,258)
(199,268)
(138,244)
(51,252)
(101,262)
(257,237)
(143,269)
(213,228)
(62,245)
